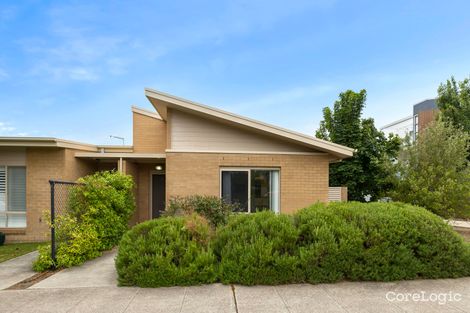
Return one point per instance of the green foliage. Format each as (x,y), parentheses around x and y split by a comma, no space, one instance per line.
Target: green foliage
(212,208)
(258,248)
(322,243)
(378,241)
(368,171)
(106,200)
(453,102)
(99,209)
(434,171)
(44,260)
(2,238)
(167,251)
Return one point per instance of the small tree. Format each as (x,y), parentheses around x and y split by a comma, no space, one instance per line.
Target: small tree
(368,171)
(433,172)
(453,102)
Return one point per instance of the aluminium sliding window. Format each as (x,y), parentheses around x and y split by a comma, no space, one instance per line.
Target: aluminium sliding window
(12,196)
(252,189)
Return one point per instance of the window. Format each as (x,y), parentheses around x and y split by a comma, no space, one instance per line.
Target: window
(12,196)
(252,189)
(415,126)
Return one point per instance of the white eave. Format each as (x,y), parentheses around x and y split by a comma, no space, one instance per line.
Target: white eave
(162,101)
(124,155)
(146,112)
(45,142)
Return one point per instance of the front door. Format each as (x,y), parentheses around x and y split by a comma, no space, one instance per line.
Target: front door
(158,194)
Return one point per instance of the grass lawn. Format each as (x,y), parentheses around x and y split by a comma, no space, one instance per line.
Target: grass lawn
(10,251)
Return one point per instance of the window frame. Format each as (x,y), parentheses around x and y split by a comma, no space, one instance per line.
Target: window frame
(249,169)
(8,212)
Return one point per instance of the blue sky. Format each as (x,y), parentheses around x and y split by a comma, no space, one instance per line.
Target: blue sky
(72,69)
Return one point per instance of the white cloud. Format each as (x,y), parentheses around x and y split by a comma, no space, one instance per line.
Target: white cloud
(64,72)
(6,128)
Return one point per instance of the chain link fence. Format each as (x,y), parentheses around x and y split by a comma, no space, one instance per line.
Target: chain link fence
(60,192)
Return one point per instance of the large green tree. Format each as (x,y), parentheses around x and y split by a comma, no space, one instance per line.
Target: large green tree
(368,171)
(433,171)
(453,102)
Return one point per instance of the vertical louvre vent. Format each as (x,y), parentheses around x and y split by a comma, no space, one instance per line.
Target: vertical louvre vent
(2,188)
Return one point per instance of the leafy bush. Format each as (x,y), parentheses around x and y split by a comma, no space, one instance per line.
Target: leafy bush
(322,243)
(2,238)
(434,171)
(378,241)
(99,209)
(214,209)
(167,251)
(258,248)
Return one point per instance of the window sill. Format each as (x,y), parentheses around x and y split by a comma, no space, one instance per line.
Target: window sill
(13,231)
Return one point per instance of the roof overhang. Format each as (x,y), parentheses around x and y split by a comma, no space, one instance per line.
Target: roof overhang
(163,101)
(45,142)
(137,157)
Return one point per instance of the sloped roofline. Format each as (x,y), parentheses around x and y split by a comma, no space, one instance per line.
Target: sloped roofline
(162,101)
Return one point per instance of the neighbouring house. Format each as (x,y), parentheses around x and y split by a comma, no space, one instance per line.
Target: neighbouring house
(424,112)
(183,148)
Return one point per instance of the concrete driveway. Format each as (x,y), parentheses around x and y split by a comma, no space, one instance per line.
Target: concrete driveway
(92,288)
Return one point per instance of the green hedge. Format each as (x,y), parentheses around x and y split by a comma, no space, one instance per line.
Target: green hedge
(258,249)
(322,243)
(99,209)
(165,252)
(378,241)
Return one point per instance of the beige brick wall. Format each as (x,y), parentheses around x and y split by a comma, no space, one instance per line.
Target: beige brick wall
(143,199)
(131,168)
(43,164)
(304,178)
(149,134)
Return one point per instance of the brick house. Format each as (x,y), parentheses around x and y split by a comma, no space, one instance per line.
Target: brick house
(182,148)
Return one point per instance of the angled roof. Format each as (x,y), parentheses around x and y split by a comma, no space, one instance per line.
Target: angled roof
(428,104)
(162,101)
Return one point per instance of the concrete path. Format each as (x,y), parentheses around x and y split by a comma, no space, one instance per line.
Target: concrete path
(15,270)
(341,297)
(99,272)
(92,288)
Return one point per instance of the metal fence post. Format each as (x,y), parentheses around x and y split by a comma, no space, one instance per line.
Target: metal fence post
(53,250)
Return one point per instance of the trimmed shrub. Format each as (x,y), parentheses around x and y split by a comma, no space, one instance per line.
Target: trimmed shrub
(378,241)
(258,248)
(167,251)
(99,209)
(214,209)
(322,243)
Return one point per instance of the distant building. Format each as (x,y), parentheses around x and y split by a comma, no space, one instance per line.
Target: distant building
(402,127)
(423,113)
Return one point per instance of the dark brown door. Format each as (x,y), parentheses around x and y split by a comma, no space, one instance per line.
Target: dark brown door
(158,194)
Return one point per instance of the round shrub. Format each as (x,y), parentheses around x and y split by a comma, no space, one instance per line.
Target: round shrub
(258,248)
(378,241)
(167,251)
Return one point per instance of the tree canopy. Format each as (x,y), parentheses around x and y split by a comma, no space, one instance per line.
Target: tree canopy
(453,102)
(433,171)
(368,171)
